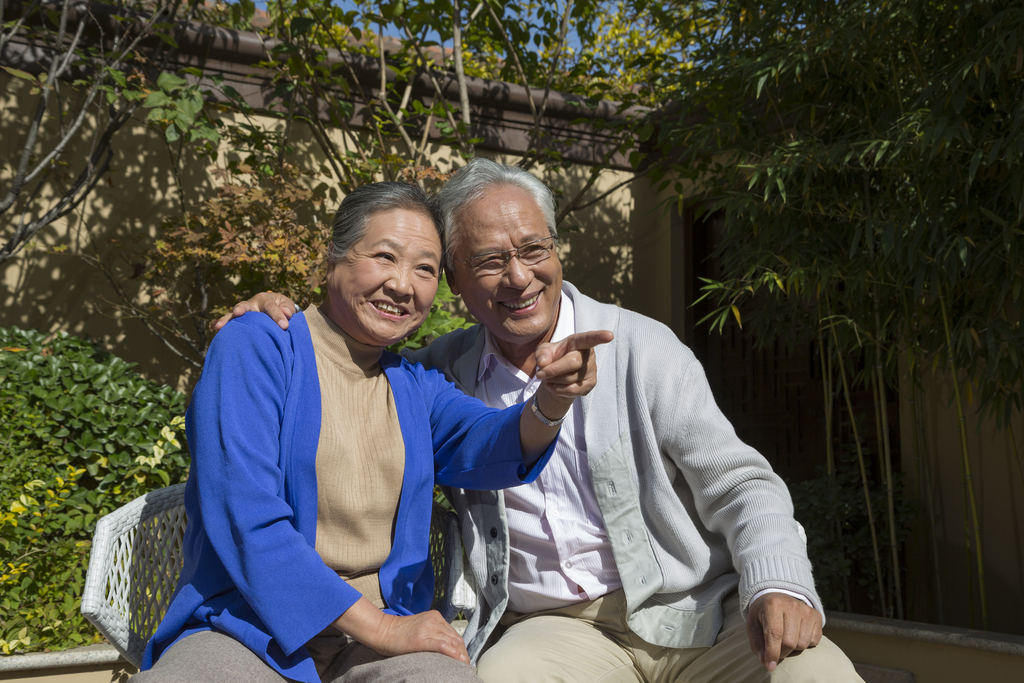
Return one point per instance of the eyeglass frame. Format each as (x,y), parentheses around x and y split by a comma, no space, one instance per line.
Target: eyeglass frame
(508,254)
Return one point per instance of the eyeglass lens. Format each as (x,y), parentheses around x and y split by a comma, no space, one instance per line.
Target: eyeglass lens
(529,254)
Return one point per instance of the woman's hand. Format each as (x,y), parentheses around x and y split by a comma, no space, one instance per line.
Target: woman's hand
(277,306)
(426,632)
(391,635)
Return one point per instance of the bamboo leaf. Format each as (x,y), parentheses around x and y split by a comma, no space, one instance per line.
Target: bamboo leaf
(760,84)
(975,162)
(994,218)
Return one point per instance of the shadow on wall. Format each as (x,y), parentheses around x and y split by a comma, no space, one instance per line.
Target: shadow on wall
(51,291)
(596,249)
(950,566)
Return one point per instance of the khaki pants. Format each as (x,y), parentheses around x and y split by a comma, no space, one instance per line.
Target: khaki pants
(590,643)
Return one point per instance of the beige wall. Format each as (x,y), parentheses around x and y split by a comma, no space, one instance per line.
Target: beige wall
(999,492)
(51,292)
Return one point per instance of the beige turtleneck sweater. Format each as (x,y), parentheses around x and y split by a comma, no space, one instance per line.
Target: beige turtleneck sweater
(360,458)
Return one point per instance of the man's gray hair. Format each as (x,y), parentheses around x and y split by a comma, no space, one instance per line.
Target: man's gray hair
(360,204)
(469,184)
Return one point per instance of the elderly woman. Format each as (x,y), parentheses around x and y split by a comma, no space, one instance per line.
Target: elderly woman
(314,456)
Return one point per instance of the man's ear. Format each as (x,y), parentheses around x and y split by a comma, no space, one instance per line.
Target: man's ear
(453,282)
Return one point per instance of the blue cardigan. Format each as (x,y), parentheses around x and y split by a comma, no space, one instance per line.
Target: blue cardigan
(250,569)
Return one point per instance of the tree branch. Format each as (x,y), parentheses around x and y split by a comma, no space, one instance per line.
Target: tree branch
(515,60)
(128,306)
(16,27)
(438,92)
(576,206)
(384,98)
(563,31)
(460,71)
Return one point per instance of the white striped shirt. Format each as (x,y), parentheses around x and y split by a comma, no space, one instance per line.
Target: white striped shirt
(559,546)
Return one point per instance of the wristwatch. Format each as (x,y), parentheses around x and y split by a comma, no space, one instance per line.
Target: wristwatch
(543,418)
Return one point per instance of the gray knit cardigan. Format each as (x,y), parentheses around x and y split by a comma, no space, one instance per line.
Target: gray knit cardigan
(691,511)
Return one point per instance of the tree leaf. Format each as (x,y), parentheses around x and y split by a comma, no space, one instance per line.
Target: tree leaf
(167,38)
(156,99)
(300,26)
(18,73)
(118,77)
(170,82)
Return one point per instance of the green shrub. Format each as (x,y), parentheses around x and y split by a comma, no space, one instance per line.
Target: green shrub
(834,515)
(80,435)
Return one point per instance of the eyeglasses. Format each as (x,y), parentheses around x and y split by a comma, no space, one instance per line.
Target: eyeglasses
(496,262)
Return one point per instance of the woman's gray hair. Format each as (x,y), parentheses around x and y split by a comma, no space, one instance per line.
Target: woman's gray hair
(360,204)
(470,183)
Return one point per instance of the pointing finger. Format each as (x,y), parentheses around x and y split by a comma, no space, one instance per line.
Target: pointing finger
(581,342)
(586,340)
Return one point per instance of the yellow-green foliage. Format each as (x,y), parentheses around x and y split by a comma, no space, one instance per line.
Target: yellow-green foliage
(80,435)
(631,52)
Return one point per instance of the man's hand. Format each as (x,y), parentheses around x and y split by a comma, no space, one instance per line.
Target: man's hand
(779,625)
(569,369)
(391,635)
(277,306)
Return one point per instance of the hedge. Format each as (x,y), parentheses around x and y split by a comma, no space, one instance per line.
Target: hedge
(80,435)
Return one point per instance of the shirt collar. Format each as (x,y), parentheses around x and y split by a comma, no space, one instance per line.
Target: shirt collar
(492,355)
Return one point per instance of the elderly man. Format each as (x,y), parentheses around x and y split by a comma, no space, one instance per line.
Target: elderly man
(656,546)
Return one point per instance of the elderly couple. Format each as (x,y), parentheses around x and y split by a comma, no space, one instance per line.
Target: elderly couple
(638,539)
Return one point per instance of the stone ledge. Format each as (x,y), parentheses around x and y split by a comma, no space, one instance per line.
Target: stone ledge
(882,674)
(1000,643)
(91,655)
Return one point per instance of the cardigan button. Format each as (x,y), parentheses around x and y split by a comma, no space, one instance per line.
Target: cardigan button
(494,532)
(494,579)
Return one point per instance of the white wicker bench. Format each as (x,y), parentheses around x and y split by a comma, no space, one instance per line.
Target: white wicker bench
(136,558)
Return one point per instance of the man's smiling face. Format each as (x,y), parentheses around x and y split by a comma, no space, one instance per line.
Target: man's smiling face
(520,305)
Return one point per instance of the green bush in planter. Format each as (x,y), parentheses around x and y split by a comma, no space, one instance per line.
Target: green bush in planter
(834,515)
(80,435)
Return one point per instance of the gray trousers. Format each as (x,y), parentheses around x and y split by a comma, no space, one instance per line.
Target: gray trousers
(211,657)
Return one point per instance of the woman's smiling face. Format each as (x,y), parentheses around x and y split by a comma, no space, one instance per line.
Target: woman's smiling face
(382,289)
